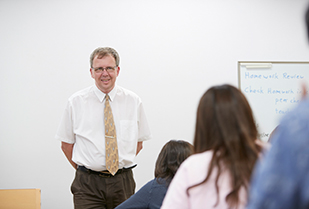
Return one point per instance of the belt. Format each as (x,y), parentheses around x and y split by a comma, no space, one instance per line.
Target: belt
(104,173)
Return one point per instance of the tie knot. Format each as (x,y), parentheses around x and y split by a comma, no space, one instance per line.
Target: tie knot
(106,97)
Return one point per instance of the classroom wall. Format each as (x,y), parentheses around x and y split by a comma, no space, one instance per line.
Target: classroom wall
(171,52)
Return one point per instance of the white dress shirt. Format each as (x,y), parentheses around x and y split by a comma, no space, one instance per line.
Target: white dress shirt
(82,125)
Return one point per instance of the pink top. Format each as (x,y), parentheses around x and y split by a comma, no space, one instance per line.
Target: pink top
(193,171)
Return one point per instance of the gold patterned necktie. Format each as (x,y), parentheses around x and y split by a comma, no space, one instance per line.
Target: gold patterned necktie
(111,148)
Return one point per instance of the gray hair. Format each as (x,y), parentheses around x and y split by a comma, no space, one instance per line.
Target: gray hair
(102,52)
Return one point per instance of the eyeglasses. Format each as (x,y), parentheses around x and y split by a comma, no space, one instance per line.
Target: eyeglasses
(101,69)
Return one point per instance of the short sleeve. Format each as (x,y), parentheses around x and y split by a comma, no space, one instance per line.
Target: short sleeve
(65,130)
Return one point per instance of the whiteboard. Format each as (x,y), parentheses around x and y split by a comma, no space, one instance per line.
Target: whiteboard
(272,89)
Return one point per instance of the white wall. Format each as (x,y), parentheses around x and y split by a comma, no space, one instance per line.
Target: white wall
(171,52)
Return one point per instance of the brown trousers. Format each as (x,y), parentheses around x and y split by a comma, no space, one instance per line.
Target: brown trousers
(95,191)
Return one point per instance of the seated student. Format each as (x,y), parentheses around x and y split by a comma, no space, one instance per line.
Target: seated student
(282,179)
(152,194)
(225,151)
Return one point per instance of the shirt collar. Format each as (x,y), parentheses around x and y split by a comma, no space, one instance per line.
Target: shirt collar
(101,95)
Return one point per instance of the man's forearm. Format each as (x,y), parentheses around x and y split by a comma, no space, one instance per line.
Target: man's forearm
(68,150)
(139,147)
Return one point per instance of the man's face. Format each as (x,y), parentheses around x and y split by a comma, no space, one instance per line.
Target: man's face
(105,81)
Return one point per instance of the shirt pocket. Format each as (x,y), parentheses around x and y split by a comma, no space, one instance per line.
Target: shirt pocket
(128,130)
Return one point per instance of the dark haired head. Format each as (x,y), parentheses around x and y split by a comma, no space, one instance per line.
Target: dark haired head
(171,156)
(225,125)
(224,120)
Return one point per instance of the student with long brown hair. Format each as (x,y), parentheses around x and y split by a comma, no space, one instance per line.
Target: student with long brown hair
(226,147)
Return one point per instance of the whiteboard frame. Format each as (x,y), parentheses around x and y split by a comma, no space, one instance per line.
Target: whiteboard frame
(263,66)
(261,62)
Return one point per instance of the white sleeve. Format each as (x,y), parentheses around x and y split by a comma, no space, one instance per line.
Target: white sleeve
(143,127)
(65,130)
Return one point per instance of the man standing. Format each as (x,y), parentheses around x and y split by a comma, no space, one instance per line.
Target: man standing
(102,130)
